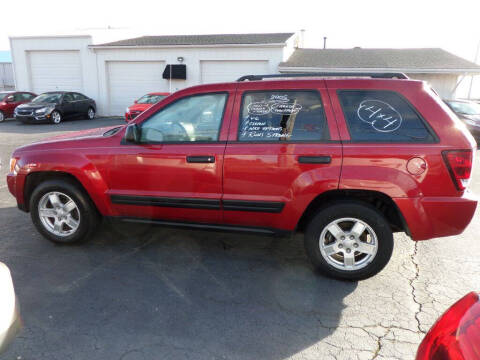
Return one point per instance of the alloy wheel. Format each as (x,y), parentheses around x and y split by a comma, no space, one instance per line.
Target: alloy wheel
(91,113)
(58,213)
(56,117)
(348,244)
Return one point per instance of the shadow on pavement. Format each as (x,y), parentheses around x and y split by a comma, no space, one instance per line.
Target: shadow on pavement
(164,293)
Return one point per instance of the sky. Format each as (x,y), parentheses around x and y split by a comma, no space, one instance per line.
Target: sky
(451,25)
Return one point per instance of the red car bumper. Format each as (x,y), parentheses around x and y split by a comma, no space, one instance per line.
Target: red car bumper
(431,217)
(15,186)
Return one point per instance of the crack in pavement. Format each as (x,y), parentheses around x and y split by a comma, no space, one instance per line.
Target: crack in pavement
(412,285)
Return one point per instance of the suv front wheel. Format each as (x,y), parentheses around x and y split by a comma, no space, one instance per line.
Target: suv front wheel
(349,240)
(62,212)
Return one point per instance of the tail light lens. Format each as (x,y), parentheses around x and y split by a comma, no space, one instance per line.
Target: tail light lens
(456,335)
(459,163)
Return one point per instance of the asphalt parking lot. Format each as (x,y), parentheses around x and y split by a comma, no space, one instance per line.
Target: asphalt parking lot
(156,293)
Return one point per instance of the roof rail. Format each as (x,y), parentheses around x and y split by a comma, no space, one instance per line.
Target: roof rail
(374,75)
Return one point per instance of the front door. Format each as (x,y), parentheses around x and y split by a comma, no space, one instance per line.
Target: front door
(175,171)
(283,151)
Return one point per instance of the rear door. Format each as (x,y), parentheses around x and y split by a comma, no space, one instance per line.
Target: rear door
(81,104)
(283,151)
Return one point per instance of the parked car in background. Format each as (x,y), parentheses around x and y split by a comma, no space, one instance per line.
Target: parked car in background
(55,106)
(348,162)
(469,113)
(456,334)
(9,100)
(142,104)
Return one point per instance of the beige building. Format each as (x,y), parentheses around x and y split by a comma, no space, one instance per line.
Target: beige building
(441,69)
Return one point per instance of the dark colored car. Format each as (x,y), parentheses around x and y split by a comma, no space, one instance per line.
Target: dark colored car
(456,334)
(469,113)
(9,100)
(142,104)
(55,106)
(346,161)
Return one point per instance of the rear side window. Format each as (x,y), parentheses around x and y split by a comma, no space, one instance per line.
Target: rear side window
(78,96)
(282,116)
(382,116)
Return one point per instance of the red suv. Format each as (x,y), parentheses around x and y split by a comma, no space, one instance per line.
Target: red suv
(346,161)
(9,100)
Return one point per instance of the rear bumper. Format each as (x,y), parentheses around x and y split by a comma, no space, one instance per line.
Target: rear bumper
(432,217)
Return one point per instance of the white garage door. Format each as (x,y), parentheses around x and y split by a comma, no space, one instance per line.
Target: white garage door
(129,80)
(55,70)
(225,71)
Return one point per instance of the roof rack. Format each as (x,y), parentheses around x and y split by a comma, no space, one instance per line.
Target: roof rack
(374,75)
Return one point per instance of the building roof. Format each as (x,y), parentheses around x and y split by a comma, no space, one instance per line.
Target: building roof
(216,39)
(412,60)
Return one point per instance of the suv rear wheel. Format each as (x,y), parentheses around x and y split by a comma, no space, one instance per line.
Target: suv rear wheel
(349,240)
(62,212)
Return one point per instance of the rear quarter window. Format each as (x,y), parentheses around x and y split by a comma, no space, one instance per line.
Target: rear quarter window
(382,116)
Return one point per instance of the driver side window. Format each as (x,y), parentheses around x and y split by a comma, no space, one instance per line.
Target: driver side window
(194,118)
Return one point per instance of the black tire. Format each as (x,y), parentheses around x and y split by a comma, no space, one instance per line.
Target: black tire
(88,219)
(2,116)
(53,117)
(349,209)
(88,113)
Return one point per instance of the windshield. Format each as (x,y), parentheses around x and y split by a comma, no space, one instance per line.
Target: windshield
(469,108)
(150,99)
(3,94)
(48,98)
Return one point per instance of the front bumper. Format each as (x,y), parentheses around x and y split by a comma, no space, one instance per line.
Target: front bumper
(15,185)
(131,115)
(432,217)
(32,118)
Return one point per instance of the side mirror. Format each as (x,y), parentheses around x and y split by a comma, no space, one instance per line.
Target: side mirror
(135,101)
(10,322)
(9,99)
(132,134)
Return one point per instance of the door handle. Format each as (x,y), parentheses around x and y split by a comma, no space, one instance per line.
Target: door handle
(325,159)
(201,159)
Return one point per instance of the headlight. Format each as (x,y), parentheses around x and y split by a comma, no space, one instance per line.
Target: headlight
(44,110)
(13,165)
(128,110)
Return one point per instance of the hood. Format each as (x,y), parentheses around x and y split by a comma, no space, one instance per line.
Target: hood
(140,107)
(34,105)
(61,141)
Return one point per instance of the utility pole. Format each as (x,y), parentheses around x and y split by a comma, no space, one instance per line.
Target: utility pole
(324,42)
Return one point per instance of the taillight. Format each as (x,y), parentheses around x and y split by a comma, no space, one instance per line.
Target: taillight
(456,335)
(459,163)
